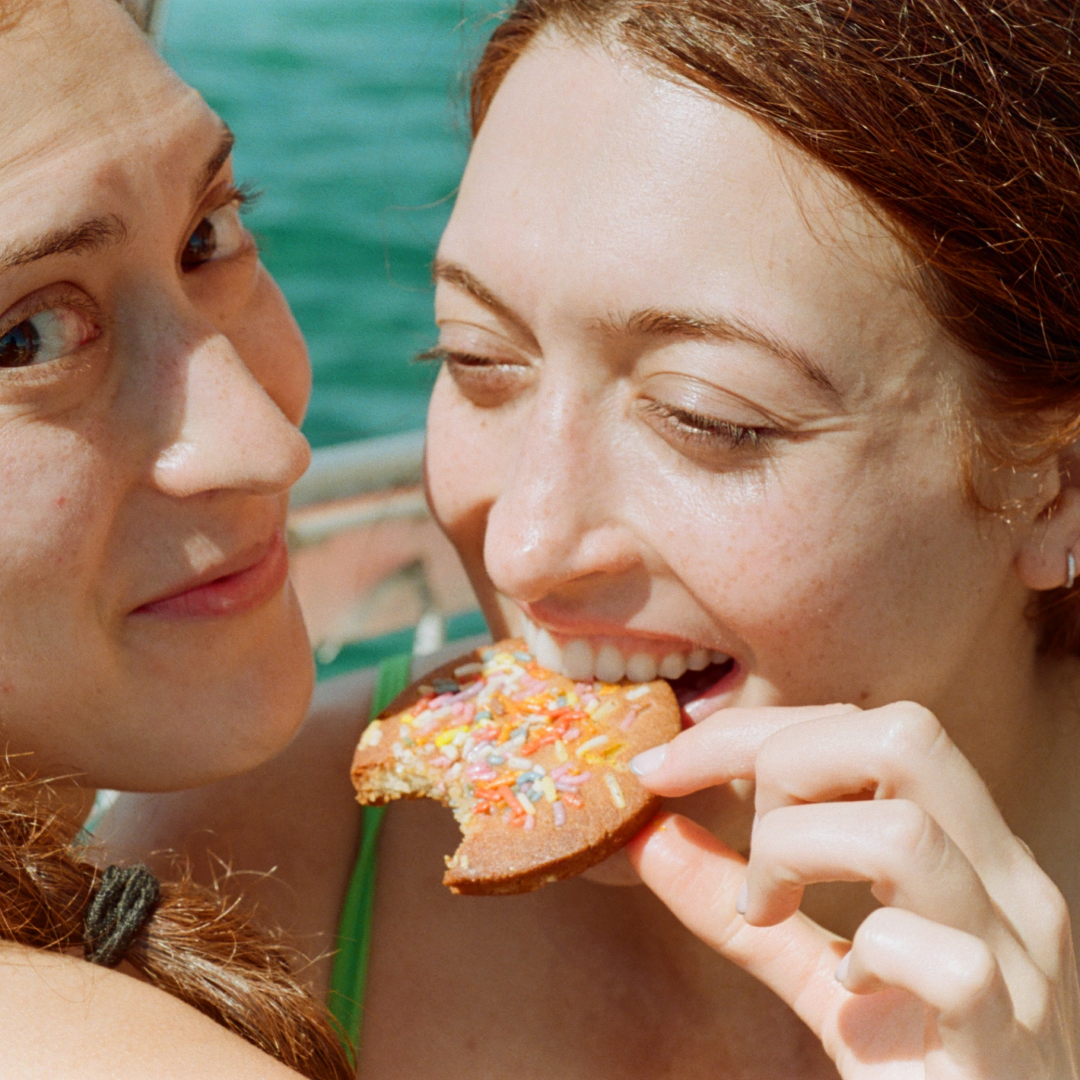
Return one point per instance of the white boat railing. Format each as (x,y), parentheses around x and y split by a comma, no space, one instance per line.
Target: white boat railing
(356,468)
(367,557)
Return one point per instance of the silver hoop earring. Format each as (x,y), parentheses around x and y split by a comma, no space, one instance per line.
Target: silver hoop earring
(1070,570)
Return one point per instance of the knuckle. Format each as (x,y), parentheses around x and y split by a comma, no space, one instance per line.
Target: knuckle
(1055,908)
(771,850)
(879,930)
(771,765)
(912,732)
(1055,918)
(973,978)
(914,833)
(767,838)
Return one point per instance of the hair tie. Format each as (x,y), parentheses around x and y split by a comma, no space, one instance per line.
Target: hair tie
(124,901)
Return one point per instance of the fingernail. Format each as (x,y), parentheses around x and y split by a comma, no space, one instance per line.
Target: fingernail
(743,901)
(842,968)
(649,760)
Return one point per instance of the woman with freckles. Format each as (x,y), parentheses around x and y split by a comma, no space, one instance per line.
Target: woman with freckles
(759,325)
(152,382)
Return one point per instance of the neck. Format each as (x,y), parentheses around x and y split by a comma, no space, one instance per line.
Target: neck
(1015,717)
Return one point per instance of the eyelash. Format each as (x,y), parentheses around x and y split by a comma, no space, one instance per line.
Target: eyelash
(689,426)
(696,428)
(245,195)
(438,355)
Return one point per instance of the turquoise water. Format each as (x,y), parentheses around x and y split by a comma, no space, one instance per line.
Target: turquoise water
(350,118)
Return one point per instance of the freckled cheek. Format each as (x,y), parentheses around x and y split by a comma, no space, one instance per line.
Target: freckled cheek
(468,453)
(53,530)
(774,570)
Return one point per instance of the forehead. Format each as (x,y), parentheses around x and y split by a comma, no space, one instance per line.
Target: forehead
(86,98)
(596,187)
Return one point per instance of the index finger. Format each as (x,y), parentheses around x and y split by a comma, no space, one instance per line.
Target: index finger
(722,748)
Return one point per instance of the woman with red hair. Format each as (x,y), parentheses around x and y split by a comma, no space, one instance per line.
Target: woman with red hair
(761,330)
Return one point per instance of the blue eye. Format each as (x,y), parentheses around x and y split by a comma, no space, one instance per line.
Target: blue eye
(18,347)
(48,335)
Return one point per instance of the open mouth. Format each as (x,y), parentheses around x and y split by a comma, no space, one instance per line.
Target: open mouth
(695,684)
(691,673)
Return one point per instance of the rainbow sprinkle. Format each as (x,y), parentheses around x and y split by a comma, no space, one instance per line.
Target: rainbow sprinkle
(476,739)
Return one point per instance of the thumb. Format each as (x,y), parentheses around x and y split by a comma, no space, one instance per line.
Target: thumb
(699,879)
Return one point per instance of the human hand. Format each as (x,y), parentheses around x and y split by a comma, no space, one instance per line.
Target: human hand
(966,973)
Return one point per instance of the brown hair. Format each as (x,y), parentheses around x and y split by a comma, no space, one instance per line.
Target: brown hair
(960,124)
(197,945)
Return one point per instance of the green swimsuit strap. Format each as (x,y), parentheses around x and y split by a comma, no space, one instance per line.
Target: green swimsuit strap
(349,977)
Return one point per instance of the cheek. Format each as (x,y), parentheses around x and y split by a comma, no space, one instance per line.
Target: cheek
(835,588)
(55,511)
(467,454)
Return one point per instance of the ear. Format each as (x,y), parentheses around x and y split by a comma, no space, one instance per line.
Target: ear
(1042,561)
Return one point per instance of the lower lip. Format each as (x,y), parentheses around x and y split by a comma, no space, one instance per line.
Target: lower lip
(233,594)
(697,707)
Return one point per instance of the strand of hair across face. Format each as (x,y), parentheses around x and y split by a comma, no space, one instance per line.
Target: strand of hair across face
(197,945)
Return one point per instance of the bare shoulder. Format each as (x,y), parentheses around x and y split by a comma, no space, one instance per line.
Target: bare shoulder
(63,1018)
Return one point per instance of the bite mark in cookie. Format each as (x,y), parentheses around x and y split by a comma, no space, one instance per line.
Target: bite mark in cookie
(534,765)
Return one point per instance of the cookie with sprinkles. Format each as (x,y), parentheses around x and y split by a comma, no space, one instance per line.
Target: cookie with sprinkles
(535,766)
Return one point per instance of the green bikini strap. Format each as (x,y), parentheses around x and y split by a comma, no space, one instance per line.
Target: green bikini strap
(349,976)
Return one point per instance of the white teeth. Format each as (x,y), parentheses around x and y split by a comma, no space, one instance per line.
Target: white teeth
(698,660)
(641,667)
(577,660)
(546,651)
(673,665)
(610,666)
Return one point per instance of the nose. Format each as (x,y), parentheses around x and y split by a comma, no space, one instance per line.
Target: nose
(224,431)
(555,520)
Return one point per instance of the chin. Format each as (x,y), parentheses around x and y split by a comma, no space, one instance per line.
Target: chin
(217,710)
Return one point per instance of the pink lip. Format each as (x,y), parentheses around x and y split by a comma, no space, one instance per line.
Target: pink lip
(229,594)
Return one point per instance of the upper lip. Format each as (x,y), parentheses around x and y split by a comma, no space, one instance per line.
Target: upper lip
(244,559)
(584,626)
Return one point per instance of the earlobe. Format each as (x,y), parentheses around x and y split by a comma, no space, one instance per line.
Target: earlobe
(1050,554)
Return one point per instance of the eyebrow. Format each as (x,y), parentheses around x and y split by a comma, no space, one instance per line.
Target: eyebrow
(97,234)
(655,323)
(94,234)
(723,329)
(457,275)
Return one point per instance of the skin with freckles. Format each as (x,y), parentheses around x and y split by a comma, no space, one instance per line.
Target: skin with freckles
(148,442)
(600,502)
(709,410)
(692,404)
(152,381)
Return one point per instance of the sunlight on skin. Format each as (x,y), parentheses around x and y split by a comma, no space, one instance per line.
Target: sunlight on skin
(708,411)
(159,436)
